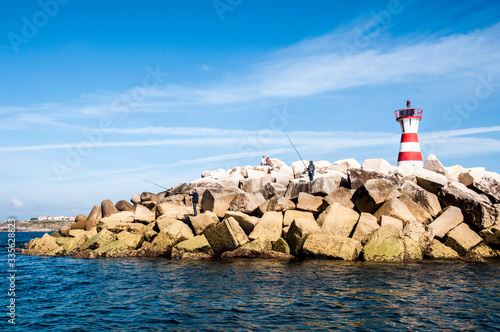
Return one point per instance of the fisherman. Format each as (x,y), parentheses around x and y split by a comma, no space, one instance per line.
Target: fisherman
(195,201)
(310,170)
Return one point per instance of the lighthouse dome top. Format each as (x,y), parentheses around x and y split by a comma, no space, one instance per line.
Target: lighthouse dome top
(405,113)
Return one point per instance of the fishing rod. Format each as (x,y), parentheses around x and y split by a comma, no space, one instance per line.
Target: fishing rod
(151,182)
(294,147)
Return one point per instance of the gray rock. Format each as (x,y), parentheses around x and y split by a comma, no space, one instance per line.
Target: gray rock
(269,227)
(246,222)
(366,225)
(374,193)
(332,247)
(339,220)
(396,209)
(225,236)
(462,238)
(342,196)
(203,220)
(108,208)
(422,197)
(450,218)
(298,232)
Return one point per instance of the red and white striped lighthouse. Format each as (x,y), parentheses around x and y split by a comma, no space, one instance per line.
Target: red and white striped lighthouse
(409,148)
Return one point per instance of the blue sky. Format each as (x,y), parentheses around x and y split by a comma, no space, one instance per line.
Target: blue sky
(97,94)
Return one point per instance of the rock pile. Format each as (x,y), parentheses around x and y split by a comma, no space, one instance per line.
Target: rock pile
(374,212)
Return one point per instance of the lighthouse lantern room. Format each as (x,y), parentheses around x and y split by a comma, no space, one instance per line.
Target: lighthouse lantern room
(409,148)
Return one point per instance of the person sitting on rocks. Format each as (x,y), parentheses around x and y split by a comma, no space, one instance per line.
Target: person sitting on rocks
(267,161)
(263,161)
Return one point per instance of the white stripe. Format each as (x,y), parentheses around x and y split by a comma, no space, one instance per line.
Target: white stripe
(411,162)
(409,146)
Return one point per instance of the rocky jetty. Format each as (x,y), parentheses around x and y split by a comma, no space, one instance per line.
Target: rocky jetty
(371,212)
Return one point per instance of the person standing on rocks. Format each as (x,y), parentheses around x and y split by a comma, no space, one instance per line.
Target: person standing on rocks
(195,201)
(310,170)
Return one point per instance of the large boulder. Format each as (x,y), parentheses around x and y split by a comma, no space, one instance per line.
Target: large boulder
(280,204)
(331,246)
(310,203)
(396,209)
(64,231)
(99,240)
(437,250)
(421,214)
(450,218)
(130,240)
(434,165)
(203,220)
(269,227)
(143,214)
(225,236)
(291,215)
(378,165)
(345,165)
(490,235)
(124,216)
(326,184)
(358,177)
(296,187)
(194,248)
(462,238)
(168,237)
(339,220)
(218,200)
(246,222)
(413,251)
(246,202)
(46,246)
(422,197)
(398,223)
(298,232)
(70,244)
(108,208)
(419,233)
(136,198)
(475,208)
(124,205)
(272,189)
(375,192)
(147,196)
(281,178)
(342,196)
(172,210)
(94,217)
(487,183)
(80,222)
(429,180)
(366,225)
(384,245)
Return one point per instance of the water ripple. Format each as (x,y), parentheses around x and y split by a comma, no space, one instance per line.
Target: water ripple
(155,294)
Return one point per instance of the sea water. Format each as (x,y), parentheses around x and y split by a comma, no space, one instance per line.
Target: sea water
(157,294)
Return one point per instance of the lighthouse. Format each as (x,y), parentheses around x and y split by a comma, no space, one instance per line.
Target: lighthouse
(409,148)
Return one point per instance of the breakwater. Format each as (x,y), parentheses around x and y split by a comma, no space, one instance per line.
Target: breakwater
(373,212)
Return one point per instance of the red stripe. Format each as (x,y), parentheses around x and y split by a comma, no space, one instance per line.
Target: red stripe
(409,137)
(410,156)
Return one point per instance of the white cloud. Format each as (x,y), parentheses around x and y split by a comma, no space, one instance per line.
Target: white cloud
(16,203)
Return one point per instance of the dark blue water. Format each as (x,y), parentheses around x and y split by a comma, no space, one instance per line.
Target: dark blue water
(152,294)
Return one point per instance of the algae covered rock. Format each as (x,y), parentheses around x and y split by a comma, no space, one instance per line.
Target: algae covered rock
(384,245)
(332,247)
(194,248)
(45,246)
(438,250)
